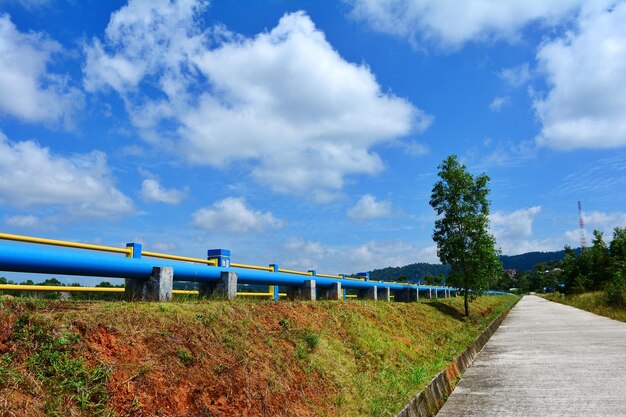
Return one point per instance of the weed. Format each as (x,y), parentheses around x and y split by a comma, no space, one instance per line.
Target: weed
(66,378)
(185,356)
(311,338)
(285,324)
(417,375)
(301,352)
(7,374)
(207,319)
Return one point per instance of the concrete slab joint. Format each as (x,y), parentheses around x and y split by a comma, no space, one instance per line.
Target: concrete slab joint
(224,288)
(306,292)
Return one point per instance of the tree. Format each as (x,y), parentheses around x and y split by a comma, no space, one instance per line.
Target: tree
(462,229)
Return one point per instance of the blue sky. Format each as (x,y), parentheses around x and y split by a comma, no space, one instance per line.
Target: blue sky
(308,133)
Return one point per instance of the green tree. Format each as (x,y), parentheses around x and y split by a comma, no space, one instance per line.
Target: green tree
(462,229)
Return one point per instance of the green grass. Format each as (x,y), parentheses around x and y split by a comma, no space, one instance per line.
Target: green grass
(64,378)
(594,302)
(356,358)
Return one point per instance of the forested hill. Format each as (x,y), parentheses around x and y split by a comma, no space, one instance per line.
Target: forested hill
(419,271)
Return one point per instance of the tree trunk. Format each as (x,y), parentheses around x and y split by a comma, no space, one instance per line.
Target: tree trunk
(466,302)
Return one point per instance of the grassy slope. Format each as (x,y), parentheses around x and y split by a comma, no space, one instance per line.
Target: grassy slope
(594,302)
(227,358)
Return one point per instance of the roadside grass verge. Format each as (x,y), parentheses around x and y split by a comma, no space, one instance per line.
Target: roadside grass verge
(594,302)
(228,358)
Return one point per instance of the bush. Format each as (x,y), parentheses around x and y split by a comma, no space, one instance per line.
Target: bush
(615,290)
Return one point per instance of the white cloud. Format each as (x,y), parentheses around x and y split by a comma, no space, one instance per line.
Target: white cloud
(304,255)
(451,23)
(414,148)
(151,190)
(233,215)
(31,176)
(514,232)
(604,222)
(516,76)
(368,208)
(284,100)
(25,221)
(29,91)
(586,73)
(498,102)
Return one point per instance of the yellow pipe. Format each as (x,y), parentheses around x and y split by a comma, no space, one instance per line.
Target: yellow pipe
(14,287)
(328,276)
(212,262)
(291,271)
(30,239)
(11,287)
(260,268)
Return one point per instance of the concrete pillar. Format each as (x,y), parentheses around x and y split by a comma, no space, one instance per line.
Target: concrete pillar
(64,296)
(430,293)
(333,292)
(369,293)
(156,288)
(435,292)
(306,292)
(385,294)
(225,287)
(160,284)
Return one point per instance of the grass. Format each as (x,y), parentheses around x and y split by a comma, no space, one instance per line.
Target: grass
(357,358)
(594,302)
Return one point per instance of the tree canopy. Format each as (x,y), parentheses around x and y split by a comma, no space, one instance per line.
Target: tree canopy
(462,228)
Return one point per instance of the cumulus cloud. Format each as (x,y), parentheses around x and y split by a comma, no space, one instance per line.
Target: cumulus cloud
(284,99)
(304,255)
(450,24)
(32,176)
(29,91)
(151,190)
(368,208)
(586,73)
(498,102)
(233,215)
(514,232)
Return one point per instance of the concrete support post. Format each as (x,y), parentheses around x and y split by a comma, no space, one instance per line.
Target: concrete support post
(333,292)
(160,284)
(224,288)
(369,293)
(385,294)
(435,292)
(305,292)
(430,293)
(156,288)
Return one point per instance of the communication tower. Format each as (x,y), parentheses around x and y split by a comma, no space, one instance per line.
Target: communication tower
(581,227)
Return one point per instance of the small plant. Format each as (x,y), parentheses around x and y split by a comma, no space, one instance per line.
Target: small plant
(185,356)
(207,319)
(311,338)
(418,375)
(285,324)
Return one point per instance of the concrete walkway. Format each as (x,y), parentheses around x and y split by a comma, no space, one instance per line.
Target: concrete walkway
(546,359)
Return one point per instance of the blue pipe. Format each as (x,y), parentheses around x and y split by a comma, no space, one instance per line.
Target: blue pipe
(20,258)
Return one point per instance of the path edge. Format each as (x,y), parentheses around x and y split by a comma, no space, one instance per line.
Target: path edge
(430,400)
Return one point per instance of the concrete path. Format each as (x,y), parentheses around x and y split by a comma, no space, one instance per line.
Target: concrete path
(546,359)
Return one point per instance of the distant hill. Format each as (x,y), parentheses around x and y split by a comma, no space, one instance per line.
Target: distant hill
(419,271)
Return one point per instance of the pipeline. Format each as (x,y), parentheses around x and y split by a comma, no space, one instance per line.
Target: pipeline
(19,258)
